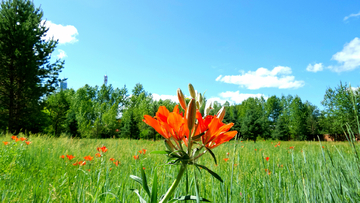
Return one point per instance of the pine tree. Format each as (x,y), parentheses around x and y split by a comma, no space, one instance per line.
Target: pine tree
(26,73)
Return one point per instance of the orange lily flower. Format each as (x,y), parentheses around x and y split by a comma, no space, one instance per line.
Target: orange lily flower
(112,159)
(140,152)
(226,159)
(82,163)
(88,158)
(6,143)
(116,163)
(62,156)
(102,149)
(14,137)
(98,154)
(17,139)
(267,158)
(70,157)
(136,157)
(22,138)
(27,142)
(168,124)
(144,151)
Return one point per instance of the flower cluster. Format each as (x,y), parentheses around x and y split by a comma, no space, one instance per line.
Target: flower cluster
(16,139)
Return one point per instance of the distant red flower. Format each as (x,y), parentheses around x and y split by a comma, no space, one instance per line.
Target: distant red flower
(98,154)
(17,139)
(291,147)
(88,158)
(117,130)
(27,142)
(323,147)
(226,159)
(140,152)
(267,158)
(14,137)
(88,169)
(102,149)
(255,149)
(62,156)
(116,163)
(70,157)
(112,159)
(136,157)
(143,168)
(22,138)
(76,163)
(144,151)
(6,143)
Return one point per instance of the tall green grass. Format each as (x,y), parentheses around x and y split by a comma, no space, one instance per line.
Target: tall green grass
(311,172)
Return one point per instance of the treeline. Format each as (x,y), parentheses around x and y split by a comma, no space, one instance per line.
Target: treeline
(104,112)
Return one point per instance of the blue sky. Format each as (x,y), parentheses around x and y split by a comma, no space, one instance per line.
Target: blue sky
(230,49)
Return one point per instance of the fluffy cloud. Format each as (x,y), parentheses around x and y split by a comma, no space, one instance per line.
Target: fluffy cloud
(315,68)
(351,15)
(61,54)
(173,98)
(65,34)
(348,58)
(237,97)
(279,77)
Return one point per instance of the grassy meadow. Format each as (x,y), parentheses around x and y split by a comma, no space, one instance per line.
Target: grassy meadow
(293,172)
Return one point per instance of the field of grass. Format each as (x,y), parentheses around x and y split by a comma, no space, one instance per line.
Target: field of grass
(293,171)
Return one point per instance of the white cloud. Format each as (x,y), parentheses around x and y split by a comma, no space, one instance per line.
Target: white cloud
(237,97)
(61,54)
(279,77)
(65,34)
(315,68)
(348,58)
(351,15)
(173,98)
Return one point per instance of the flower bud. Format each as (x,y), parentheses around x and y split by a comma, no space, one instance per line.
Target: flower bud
(181,99)
(200,99)
(221,113)
(192,91)
(191,114)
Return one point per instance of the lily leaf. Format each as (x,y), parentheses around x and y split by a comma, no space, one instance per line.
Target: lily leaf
(160,152)
(212,154)
(211,172)
(144,181)
(137,179)
(138,194)
(154,188)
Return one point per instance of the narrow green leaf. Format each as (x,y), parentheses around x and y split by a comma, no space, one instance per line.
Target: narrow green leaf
(137,179)
(154,188)
(160,152)
(196,189)
(212,154)
(136,191)
(143,177)
(190,197)
(211,172)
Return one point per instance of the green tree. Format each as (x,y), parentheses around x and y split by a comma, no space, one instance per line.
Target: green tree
(26,73)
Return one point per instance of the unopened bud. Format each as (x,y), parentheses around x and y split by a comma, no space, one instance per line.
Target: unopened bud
(191,114)
(200,99)
(221,113)
(197,105)
(192,91)
(181,99)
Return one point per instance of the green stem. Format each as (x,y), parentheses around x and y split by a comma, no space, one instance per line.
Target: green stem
(171,190)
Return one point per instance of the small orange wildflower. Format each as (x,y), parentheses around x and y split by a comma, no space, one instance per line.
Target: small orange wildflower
(140,152)
(6,143)
(291,147)
(70,157)
(14,137)
(323,147)
(112,159)
(227,154)
(136,157)
(143,168)
(27,142)
(62,156)
(267,158)
(82,163)
(17,139)
(98,154)
(144,151)
(102,149)
(116,163)
(226,159)
(76,163)
(22,138)
(255,149)
(88,158)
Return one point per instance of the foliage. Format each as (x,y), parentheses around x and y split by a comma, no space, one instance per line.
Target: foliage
(26,73)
